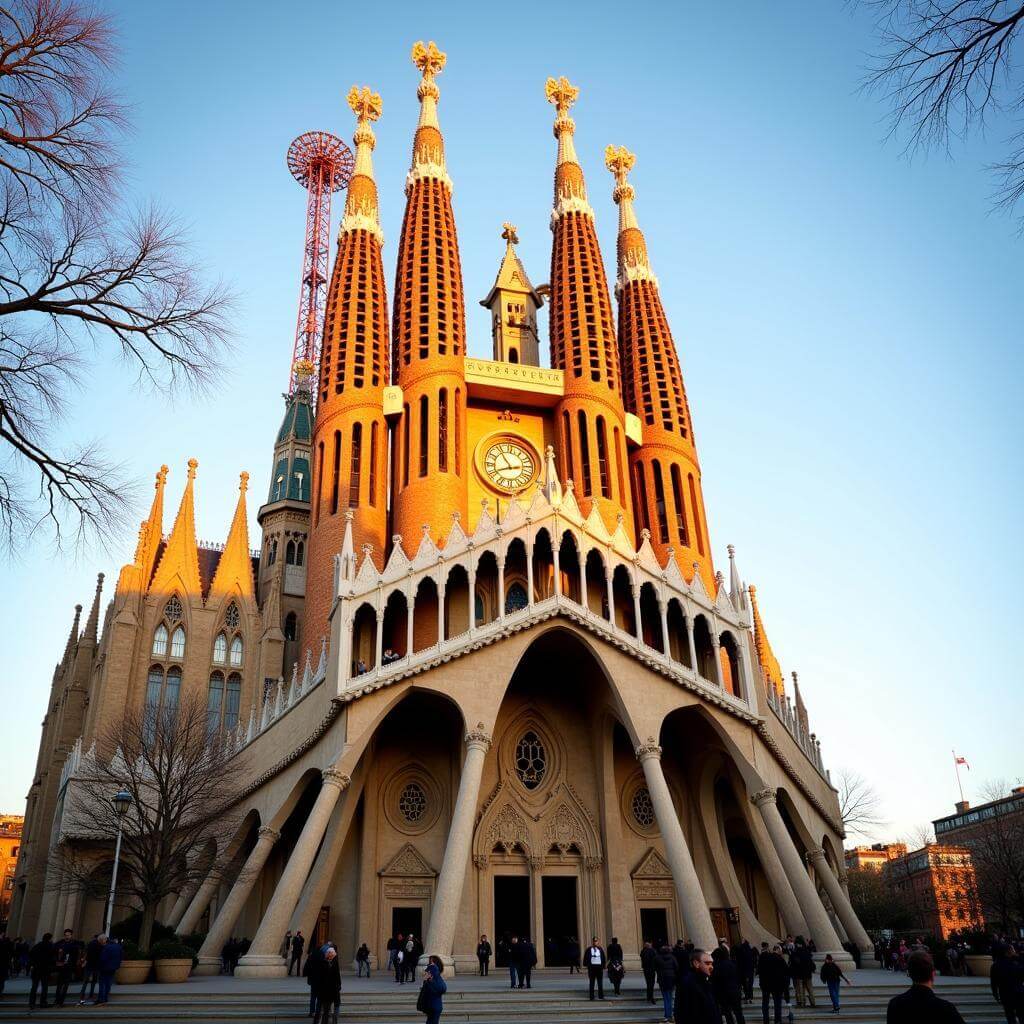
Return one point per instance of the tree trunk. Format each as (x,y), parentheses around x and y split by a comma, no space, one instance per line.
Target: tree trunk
(146,928)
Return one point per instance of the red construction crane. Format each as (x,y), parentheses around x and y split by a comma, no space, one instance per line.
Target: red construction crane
(322,164)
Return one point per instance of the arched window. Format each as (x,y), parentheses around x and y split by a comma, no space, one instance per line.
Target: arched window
(178,643)
(458,431)
(373,465)
(513,356)
(406,431)
(220,649)
(568,470)
(172,689)
(442,430)
(602,459)
(697,532)
(335,471)
(677,498)
(320,460)
(215,702)
(289,553)
(659,501)
(154,685)
(515,599)
(424,434)
(272,557)
(232,701)
(355,475)
(160,641)
(300,552)
(588,485)
(290,626)
(236,651)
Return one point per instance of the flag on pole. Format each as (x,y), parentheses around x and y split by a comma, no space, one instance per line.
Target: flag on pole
(962,760)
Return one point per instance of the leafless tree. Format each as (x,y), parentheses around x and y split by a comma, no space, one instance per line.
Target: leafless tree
(946,67)
(184,788)
(877,903)
(80,274)
(996,843)
(859,805)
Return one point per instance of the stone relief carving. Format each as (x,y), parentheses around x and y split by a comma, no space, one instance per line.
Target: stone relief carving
(508,829)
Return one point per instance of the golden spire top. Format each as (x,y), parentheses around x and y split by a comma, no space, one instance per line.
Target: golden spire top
(570,188)
(428,58)
(563,94)
(365,103)
(193,465)
(428,146)
(632,247)
(243,481)
(619,161)
(508,232)
(361,200)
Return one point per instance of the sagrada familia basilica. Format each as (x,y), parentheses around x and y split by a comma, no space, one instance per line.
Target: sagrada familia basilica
(482,672)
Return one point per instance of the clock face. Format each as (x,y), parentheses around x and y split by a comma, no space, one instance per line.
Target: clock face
(509,465)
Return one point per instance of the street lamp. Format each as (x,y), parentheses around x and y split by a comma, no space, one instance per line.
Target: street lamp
(121,800)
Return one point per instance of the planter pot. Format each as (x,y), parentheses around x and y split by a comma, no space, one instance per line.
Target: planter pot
(978,964)
(133,972)
(173,970)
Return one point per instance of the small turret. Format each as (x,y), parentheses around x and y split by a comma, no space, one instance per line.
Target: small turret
(513,303)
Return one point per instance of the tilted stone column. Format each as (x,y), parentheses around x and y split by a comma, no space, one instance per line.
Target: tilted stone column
(185,897)
(840,901)
(223,925)
(822,932)
(264,958)
(452,881)
(782,892)
(694,908)
(200,901)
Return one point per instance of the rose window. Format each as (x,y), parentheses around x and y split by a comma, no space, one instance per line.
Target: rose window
(412,802)
(172,610)
(531,760)
(643,809)
(232,617)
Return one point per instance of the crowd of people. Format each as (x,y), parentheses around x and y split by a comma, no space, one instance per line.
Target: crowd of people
(231,952)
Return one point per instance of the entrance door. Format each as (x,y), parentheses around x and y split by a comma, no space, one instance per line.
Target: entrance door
(725,921)
(654,926)
(406,921)
(322,928)
(558,896)
(511,912)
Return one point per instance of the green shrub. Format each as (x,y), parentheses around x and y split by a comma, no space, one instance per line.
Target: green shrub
(130,951)
(130,927)
(171,949)
(194,941)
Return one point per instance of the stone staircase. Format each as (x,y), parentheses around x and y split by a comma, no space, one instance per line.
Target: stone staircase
(556,1001)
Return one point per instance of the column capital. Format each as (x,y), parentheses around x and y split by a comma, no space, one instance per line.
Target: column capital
(334,777)
(648,750)
(478,738)
(763,796)
(266,832)
(816,856)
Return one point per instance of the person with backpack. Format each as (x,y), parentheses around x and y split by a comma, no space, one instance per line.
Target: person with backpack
(430,1000)
(91,969)
(831,975)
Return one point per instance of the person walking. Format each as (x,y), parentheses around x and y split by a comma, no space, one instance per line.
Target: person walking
(413,950)
(616,968)
(919,1004)
(363,960)
(298,945)
(596,959)
(801,969)
(400,966)
(527,961)
(91,969)
(745,959)
(648,961)
(483,955)
(695,997)
(392,947)
(832,975)
(110,961)
(431,997)
(67,953)
(667,972)
(773,977)
(725,983)
(40,962)
(327,982)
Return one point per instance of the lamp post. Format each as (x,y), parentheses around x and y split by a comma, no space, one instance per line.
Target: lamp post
(121,800)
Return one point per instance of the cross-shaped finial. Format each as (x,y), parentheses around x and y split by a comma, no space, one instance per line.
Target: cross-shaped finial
(619,161)
(428,58)
(365,103)
(509,233)
(562,93)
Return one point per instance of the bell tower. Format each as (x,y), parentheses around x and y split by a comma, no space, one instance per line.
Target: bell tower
(513,303)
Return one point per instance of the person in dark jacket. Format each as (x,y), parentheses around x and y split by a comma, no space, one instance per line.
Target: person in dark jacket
(695,998)
(773,977)
(110,960)
(363,960)
(6,956)
(67,953)
(1007,980)
(919,1004)
(572,951)
(326,980)
(725,983)
(666,968)
(527,961)
(616,968)
(310,972)
(298,945)
(40,963)
(91,971)
(745,960)
(483,955)
(596,960)
(514,957)
(832,974)
(434,988)
(801,970)
(648,964)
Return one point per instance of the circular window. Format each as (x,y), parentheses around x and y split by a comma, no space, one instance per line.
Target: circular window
(412,803)
(642,808)
(531,760)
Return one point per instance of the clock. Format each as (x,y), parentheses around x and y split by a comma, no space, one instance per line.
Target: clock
(508,463)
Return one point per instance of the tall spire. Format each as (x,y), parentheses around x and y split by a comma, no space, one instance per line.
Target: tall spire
(665,471)
(234,570)
(590,416)
(431,464)
(151,530)
(92,623)
(771,672)
(361,201)
(180,558)
(73,635)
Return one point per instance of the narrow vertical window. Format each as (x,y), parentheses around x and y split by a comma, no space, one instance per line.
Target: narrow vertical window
(289,553)
(215,702)
(373,463)
(458,431)
(698,533)
(236,652)
(178,643)
(442,430)
(588,484)
(424,434)
(232,701)
(406,429)
(355,466)
(640,500)
(659,501)
(220,649)
(602,458)
(172,690)
(335,471)
(567,471)
(677,497)
(160,641)
(319,483)
(300,552)
(617,455)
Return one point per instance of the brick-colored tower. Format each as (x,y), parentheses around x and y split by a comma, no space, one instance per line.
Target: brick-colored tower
(590,416)
(350,436)
(664,471)
(430,462)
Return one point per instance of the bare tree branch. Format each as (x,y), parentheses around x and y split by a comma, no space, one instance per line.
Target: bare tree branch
(859,805)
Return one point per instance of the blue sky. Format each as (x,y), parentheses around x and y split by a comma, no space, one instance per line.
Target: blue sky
(848,322)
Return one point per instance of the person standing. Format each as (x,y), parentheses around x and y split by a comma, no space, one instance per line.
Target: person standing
(310,972)
(40,962)
(287,944)
(725,983)
(648,961)
(695,998)
(326,981)
(483,955)
(527,961)
(1006,980)
(66,956)
(110,961)
(745,958)
(801,968)
(596,959)
(573,954)
(832,975)
(667,971)
(413,950)
(90,969)
(919,1004)
(298,945)
(773,976)
(400,966)
(514,955)
(363,960)
(616,968)
(431,998)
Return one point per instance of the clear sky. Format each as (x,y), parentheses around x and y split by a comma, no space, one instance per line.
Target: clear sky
(849,322)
